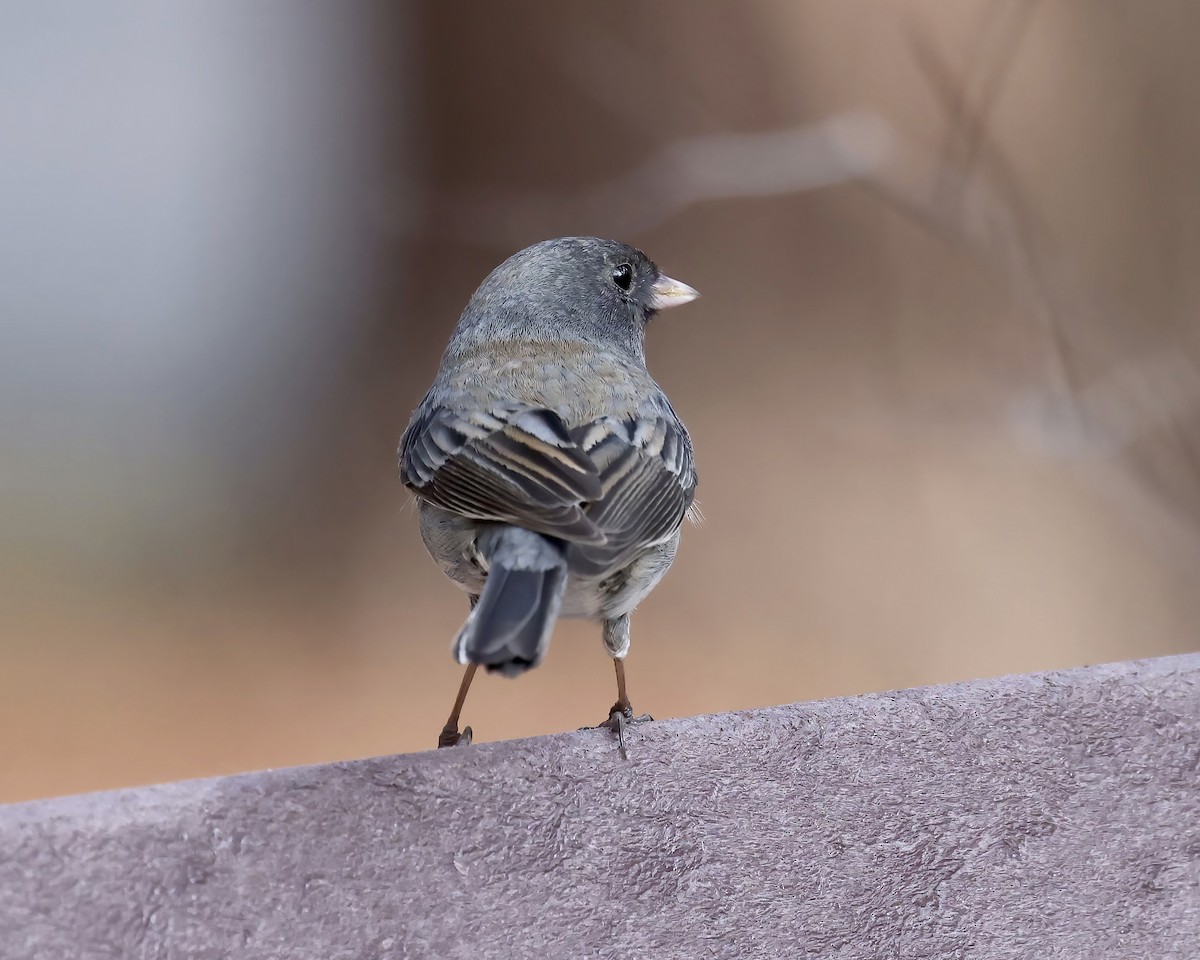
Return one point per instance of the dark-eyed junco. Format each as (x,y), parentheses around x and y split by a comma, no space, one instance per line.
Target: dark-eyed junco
(551,472)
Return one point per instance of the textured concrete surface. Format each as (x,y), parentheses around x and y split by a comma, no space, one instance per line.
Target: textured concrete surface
(1053,815)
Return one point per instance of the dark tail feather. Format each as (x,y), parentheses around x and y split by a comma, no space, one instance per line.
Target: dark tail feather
(509,629)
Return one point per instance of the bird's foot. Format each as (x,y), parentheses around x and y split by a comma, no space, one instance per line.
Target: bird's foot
(450,737)
(620,717)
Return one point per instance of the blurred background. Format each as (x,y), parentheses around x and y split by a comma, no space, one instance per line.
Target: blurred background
(943,382)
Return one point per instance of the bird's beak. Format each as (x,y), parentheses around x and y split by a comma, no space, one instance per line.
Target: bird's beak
(666,292)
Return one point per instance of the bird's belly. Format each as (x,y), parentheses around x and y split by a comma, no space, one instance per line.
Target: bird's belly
(616,594)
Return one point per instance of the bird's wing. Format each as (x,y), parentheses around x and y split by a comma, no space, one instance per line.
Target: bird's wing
(647,483)
(513,464)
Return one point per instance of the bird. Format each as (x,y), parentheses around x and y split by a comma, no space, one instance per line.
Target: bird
(552,476)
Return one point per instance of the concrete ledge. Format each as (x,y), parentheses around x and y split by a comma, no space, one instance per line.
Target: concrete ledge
(1053,815)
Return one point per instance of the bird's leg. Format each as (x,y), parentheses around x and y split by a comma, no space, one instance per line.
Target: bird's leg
(616,642)
(622,705)
(450,737)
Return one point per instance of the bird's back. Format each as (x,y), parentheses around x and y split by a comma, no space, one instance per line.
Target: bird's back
(564,438)
(580,382)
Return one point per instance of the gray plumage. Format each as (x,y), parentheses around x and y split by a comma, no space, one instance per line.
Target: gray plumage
(551,472)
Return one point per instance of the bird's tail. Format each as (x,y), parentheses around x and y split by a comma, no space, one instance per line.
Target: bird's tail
(509,628)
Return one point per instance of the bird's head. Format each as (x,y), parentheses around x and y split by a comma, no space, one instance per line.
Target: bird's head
(575,288)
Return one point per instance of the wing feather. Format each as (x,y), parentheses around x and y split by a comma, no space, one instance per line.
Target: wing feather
(610,488)
(648,481)
(516,465)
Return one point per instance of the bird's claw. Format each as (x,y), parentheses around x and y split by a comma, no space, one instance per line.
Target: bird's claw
(450,737)
(619,718)
(617,721)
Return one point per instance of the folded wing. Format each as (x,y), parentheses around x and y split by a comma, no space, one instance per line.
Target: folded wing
(609,488)
(512,464)
(647,479)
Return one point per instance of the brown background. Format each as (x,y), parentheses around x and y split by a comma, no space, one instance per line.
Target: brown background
(943,380)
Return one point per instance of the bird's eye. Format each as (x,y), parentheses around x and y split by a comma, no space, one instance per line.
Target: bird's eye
(622,276)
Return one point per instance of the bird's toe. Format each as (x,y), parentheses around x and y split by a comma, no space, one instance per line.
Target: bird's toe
(450,736)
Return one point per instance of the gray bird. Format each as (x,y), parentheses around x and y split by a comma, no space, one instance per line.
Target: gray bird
(552,475)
